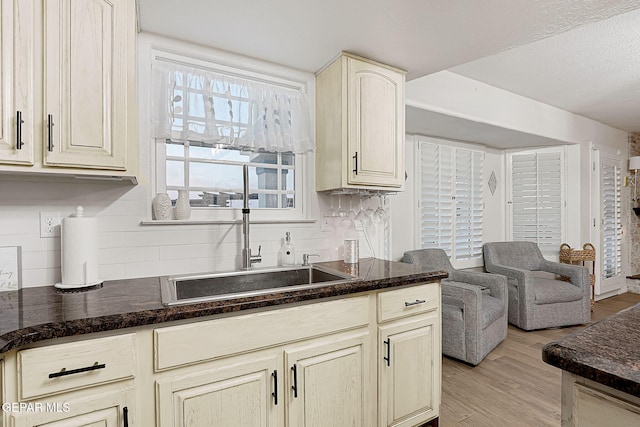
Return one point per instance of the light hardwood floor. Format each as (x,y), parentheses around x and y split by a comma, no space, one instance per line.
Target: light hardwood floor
(512,386)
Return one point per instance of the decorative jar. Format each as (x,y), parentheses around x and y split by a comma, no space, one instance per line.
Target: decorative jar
(183,207)
(161,207)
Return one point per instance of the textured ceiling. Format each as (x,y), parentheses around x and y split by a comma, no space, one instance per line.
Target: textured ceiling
(577,55)
(420,36)
(593,71)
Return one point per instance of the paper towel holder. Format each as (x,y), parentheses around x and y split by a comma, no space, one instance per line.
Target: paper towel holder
(80,273)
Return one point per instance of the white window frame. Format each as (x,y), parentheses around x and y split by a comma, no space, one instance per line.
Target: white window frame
(550,251)
(236,66)
(449,192)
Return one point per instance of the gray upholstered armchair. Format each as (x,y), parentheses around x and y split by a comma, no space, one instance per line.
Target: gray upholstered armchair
(474,307)
(537,301)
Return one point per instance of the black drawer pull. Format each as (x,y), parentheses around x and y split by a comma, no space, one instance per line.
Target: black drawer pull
(387,342)
(64,371)
(294,387)
(50,132)
(19,123)
(275,387)
(125,416)
(416,302)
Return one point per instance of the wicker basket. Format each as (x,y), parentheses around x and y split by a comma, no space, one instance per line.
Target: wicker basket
(573,256)
(587,253)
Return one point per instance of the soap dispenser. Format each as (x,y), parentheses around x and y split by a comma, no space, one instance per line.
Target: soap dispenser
(288,252)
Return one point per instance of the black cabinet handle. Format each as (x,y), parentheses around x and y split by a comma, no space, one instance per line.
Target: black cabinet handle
(63,372)
(294,387)
(125,416)
(19,123)
(416,302)
(50,132)
(274,393)
(388,357)
(355,158)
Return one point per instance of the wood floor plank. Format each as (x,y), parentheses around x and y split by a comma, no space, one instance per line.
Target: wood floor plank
(512,385)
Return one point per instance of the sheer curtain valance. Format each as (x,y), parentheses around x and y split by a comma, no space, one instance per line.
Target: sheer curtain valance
(196,104)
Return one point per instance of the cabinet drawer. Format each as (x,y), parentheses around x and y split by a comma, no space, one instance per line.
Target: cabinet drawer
(58,368)
(408,301)
(193,343)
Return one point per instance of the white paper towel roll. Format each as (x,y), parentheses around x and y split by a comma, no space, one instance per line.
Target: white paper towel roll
(79,250)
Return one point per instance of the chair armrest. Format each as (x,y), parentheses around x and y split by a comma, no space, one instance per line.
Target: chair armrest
(452,301)
(495,282)
(521,275)
(577,274)
(468,294)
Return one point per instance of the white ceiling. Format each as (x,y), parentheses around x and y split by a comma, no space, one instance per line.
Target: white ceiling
(566,53)
(593,71)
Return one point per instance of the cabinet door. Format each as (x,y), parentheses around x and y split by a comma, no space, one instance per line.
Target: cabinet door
(409,371)
(16,81)
(376,124)
(101,409)
(86,56)
(233,393)
(328,382)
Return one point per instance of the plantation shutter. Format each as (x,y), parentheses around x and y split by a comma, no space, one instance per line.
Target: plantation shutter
(436,204)
(451,200)
(611,221)
(469,204)
(537,195)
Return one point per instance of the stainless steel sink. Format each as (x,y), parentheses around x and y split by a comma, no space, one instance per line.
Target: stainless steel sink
(220,286)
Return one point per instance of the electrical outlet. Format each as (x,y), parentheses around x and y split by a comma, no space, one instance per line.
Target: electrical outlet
(49,224)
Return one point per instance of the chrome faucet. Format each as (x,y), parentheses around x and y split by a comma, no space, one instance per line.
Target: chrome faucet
(247,259)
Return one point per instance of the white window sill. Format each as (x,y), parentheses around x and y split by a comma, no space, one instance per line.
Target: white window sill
(236,221)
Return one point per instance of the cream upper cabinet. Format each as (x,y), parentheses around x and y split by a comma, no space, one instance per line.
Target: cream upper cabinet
(16,82)
(86,82)
(68,87)
(359,126)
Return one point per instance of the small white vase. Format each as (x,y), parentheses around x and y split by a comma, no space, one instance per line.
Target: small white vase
(183,208)
(161,206)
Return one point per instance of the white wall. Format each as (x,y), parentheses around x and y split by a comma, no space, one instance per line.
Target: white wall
(449,93)
(128,249)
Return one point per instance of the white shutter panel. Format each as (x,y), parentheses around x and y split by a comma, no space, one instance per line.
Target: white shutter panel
(436,208)
(451,200)
(537,196)
(611,221)
(468,204)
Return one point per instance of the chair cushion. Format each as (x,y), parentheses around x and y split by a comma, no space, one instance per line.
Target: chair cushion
(548,291)
(492,309)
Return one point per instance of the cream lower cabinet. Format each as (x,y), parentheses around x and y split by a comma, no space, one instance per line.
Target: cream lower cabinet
(307,365)
(409,377)
(240,391)
(586,403)
(359,361)
(316,383)
(328,382)
(409,355)
(105,409)
(84,383)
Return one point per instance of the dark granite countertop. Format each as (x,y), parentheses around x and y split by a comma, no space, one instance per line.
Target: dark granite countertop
(42,313)
(607,352)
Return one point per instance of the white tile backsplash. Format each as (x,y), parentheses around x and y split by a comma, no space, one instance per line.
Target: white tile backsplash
(127,249)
